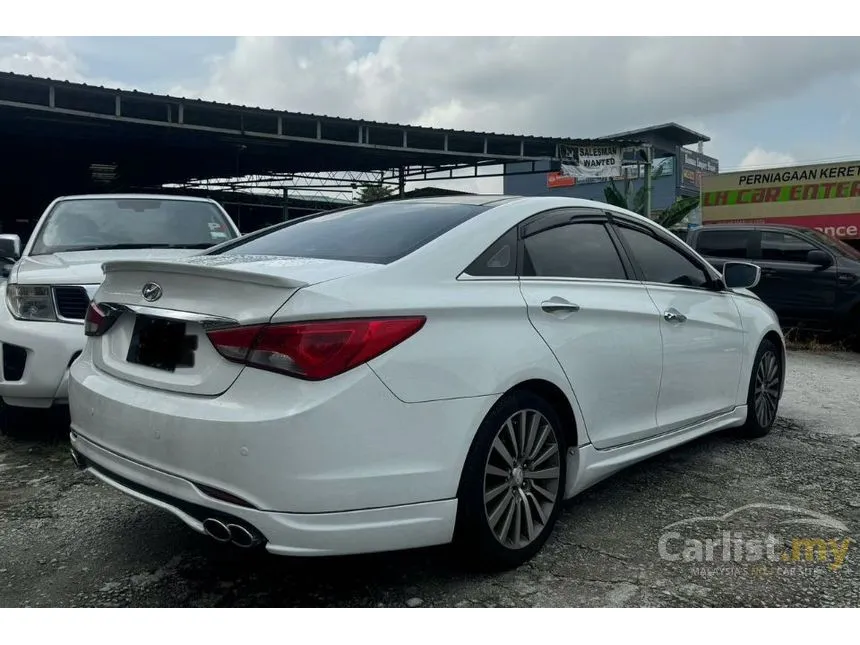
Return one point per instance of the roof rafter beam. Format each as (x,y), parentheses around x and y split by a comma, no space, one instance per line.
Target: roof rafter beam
(253,134)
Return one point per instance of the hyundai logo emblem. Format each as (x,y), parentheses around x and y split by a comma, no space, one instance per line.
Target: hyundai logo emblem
(151,291)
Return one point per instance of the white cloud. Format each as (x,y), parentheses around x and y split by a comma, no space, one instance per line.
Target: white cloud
(542,86)
(550,86)
(759,158)
(39,57)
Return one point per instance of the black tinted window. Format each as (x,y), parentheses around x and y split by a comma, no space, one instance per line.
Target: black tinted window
(836,245)
(723,244)
(784,247)
(582,250)
(378,233)
(500,259)
(660,262)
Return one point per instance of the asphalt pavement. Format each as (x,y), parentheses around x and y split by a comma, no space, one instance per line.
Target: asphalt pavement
(718,522)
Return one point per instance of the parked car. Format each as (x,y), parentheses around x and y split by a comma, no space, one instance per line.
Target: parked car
(809,279)
(47,292)
(10,251)
(413,373)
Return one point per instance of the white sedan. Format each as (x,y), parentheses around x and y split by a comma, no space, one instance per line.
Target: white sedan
(415,373)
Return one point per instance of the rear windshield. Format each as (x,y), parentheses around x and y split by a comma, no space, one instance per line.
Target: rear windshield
(102,224)
(377,233)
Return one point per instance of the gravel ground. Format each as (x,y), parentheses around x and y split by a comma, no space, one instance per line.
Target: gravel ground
(67,540)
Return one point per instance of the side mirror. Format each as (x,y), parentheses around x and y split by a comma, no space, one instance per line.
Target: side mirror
(819,258)
(741,275)
(10,245)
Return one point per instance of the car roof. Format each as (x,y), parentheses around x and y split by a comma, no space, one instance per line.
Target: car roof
(185,198)
(469,200)
(551,201)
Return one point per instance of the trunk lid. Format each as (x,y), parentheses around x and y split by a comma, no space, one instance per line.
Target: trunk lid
(159,339)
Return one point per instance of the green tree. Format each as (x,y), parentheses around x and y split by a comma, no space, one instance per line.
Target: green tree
(636,202)
(374,192)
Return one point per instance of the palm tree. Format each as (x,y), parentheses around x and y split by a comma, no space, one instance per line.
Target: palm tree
(636,202)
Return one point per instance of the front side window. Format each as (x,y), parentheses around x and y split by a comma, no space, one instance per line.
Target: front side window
(578,250)
(377,233)
(660,263)
(723,244)
(95,224)
(784,247)
(836,245)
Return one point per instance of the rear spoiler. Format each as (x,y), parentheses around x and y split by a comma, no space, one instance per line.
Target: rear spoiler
(203,271)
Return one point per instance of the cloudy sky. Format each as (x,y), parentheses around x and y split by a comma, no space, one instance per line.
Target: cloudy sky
(762,100)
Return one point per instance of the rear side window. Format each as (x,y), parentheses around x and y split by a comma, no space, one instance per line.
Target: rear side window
(378,233)
(578,250)
(499,260)
(723,244)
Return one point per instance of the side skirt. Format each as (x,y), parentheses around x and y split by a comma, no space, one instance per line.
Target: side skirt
(587,466)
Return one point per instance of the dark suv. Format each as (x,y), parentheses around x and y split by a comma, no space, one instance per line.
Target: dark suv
(809,279)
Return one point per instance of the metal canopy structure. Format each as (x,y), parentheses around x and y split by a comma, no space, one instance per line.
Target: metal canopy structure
(671,131)
(60,137)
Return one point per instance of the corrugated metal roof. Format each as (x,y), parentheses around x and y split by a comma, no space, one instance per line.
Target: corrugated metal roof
(672,130)
(305,115)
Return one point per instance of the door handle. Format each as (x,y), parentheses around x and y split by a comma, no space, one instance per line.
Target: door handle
(557,305)
(673,315)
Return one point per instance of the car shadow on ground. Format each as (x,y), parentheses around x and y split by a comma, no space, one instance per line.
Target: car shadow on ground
(48,426)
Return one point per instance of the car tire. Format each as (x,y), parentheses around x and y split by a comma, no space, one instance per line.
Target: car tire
(852,331)
(510,496)
(763,391)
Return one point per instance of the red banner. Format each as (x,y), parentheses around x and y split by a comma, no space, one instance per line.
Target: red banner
(558,180)
(845,226)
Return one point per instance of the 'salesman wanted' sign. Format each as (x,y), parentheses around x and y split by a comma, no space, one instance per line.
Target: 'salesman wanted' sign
(592,161)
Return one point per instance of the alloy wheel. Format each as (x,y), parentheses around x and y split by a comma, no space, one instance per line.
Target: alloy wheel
(766,393)
(521,478)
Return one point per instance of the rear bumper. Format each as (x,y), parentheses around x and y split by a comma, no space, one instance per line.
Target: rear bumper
(294,534)
(283,444)
(46,350)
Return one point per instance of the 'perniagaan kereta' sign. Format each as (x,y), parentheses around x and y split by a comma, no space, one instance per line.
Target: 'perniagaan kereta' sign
(825,197)
(584,162)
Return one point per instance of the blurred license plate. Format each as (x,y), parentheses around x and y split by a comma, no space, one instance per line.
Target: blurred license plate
(161,344)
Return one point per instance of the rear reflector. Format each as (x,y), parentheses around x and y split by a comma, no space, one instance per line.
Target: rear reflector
(313,350)
(224,496)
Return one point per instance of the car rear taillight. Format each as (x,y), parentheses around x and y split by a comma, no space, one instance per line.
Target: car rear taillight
(313,350)
(99,319)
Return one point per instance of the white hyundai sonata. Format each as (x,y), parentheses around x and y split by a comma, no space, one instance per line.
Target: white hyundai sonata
(415,373)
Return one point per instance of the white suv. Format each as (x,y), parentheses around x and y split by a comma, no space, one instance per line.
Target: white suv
(49,288)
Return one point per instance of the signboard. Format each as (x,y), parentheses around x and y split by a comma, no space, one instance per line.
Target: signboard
(665,166)
(558,180)
(591,161)
(694,166)
(823,196)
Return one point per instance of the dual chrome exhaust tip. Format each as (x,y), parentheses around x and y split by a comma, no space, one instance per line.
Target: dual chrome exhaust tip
(232,533)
